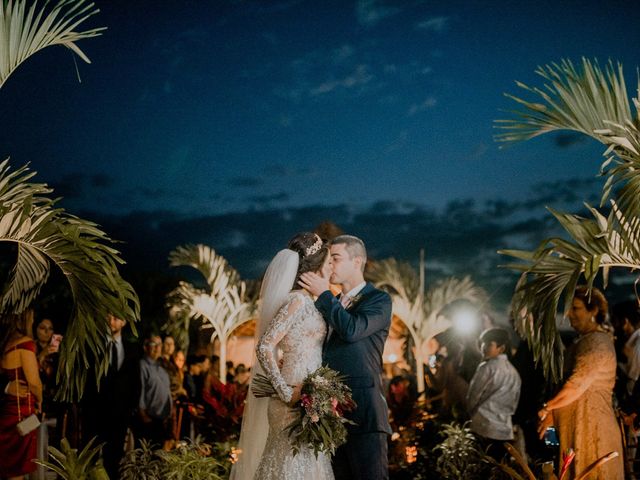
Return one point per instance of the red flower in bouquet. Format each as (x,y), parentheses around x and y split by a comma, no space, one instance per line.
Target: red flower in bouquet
(324,399)
(321,425)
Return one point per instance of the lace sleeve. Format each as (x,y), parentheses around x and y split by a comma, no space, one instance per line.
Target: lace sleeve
(265,351)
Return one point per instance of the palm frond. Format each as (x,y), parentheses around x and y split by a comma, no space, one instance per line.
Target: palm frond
(213,267)
(46,235)
(584,102)
(25,31)
(552,272)
(444,293)
(399,278)
(594,102)
(180,309)
(418,310)
(225,306)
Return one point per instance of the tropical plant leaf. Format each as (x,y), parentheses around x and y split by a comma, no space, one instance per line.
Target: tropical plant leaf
(224,306)
(420,311)
(592,101)
(551,274)
(48,236)
(27,30)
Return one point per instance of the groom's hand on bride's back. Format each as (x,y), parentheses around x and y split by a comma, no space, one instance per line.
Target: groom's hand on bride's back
(314,283)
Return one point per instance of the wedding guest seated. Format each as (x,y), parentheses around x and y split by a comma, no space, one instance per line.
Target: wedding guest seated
(493,393)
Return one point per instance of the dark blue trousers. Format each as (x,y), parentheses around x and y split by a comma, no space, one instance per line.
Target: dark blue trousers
(363,457)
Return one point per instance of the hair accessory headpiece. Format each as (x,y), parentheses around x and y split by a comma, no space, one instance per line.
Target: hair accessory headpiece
(313,248)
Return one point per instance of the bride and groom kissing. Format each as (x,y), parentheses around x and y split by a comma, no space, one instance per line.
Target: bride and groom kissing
(301,317)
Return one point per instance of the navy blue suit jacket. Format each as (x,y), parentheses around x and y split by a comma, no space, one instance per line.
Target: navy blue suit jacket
(354,347)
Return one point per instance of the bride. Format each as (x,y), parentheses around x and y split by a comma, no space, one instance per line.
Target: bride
(290,321)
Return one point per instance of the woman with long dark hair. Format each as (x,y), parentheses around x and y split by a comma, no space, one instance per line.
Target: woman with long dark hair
(18,366)
(290,321)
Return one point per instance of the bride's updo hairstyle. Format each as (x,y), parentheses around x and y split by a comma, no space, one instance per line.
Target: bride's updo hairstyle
(311,250)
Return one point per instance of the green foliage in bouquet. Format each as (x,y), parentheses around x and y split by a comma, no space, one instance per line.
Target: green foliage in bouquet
(324,400)
(71,465)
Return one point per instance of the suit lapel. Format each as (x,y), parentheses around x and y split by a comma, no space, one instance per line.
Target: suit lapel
(353,306)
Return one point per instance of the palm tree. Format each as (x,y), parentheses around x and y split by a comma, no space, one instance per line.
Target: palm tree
(24,32)
(420,312)
(592,101)
(42,235)
(225,303)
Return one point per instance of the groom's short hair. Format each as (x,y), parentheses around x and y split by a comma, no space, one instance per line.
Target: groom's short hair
(354,246)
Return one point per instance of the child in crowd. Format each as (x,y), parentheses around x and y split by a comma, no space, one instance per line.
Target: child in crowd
(493,393)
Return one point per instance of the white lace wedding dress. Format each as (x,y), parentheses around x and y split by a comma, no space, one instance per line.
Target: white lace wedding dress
(298,330)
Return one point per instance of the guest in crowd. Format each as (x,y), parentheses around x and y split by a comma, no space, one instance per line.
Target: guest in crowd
(177,379)
(400,401)
(212,384)
(18,364)
(582,411)
(155,405)
(47,347)
(198,369)
(533,391)
(242,376)
(449,387)
(493,393)
(168,347)
(231,371)
(107,410)
(625,318)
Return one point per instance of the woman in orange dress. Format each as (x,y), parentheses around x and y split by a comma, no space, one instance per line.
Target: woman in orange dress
(583,409)
(19,367)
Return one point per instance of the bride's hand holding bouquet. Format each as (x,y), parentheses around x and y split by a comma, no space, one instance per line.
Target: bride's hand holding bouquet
(324,398)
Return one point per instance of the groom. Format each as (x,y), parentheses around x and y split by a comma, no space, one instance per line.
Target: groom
(358,323)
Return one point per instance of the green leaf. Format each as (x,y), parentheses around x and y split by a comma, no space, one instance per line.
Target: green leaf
(23,33)
(45,236)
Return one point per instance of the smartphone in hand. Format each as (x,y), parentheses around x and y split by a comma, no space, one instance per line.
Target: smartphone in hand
(551,437)
(54,345)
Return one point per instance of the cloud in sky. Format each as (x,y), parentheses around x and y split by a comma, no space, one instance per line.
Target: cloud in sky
(460,239)
(359,76)
(370,12)
(434,24)
(427,104)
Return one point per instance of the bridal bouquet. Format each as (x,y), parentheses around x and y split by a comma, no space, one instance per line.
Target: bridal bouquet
(323,401)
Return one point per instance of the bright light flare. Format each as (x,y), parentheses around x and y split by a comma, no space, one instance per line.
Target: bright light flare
(466,321)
